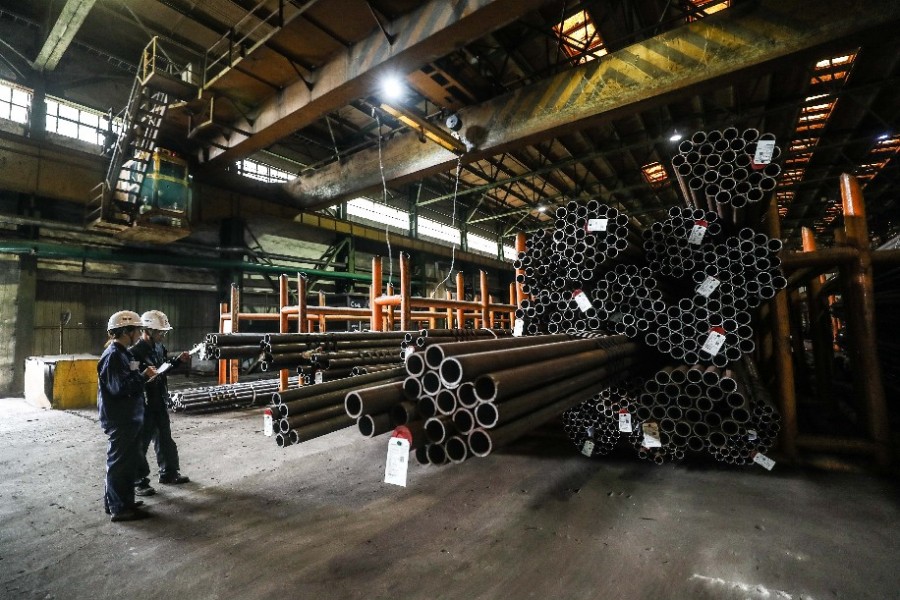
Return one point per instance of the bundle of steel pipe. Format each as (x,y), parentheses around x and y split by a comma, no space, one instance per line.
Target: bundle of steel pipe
(677,245)
(728,172)
(594,425)
(308,412)
(473,396)
(585,236)
(426,337)
(224,397)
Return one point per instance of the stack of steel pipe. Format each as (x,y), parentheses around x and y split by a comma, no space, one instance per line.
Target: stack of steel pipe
(676,246)
(728,172)
(585,236)
(307,412)
(426,337)
(474,396)
(233,345)
(224,397)
(338,351)
(681,409)
(594,425)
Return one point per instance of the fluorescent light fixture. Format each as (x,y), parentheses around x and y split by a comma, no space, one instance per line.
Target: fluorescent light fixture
(675,137)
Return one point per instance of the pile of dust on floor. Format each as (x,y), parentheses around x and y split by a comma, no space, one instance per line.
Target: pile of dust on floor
(534,520)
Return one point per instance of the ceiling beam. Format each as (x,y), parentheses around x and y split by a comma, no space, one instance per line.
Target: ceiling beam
(421,37)
(67,25)
(748,38)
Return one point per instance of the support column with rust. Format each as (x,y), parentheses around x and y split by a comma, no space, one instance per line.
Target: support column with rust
(781,347)
(460,295)
(374,293)
(283,325)
(861,320)
(405,293)
(820,329)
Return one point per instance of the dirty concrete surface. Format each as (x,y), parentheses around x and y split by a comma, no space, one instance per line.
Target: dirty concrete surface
(534,520)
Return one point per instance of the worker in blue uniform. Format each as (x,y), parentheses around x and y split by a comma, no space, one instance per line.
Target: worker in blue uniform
(120,402)
(150,352)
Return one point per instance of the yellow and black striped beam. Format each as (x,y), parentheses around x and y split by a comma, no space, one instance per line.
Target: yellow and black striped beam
(749,38)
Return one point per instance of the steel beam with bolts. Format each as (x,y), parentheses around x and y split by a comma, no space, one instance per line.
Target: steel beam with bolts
(746,38)
(425,35)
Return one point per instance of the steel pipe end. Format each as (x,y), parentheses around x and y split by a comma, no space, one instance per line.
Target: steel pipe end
(480,442)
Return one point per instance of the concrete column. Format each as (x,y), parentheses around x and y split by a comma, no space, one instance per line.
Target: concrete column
(18,287)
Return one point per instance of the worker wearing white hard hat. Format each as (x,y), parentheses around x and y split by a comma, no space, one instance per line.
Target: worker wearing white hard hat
(120,402)
(151,352)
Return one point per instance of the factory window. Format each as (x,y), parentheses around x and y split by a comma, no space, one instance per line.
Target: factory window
(262,172)
(15,102)
(579,39)
(654,174)
(363,208)
(833,69)
(704,8)
(478,243)
(78,122)
(509,253)
(439,231)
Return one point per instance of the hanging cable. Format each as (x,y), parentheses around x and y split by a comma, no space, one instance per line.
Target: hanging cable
(452,221)
(384,195)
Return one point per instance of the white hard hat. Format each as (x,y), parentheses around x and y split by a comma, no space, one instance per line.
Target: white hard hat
(155,319)
(123,318)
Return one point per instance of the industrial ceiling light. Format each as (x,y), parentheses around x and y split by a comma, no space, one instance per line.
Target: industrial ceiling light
(392,87)
(675,137)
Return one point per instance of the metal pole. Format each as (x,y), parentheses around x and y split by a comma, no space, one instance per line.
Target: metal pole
(819,325)
(283,324)
(864,357)
(405,293)
(784,368)
(375,292)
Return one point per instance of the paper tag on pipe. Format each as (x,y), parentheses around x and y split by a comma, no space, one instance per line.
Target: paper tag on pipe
(267,422)
(751,435)
(397,462)
(407,352)
(584,303)
(764,461)
(597,224)
(651,435)
(588,448)
(519,328)
(764,151)
(318,377)
(708,286)
(697,232)
(624,421)
(714,342)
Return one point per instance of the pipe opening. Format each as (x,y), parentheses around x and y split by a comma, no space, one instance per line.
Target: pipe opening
(480,443)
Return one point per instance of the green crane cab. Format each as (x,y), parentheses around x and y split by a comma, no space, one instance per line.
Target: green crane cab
(155,190)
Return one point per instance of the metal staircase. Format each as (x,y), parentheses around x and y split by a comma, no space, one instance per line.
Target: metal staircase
(114,203)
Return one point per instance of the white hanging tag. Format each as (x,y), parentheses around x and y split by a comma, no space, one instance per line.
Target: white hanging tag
(697,232)
(597,224)
(519,328)
(625,421)
(764,461)
(581,299)
(764,151)
(715,341)
(708,286)
(407,352)
(267,422)
(651,435)
(397,462)
(588,448)
(318,377)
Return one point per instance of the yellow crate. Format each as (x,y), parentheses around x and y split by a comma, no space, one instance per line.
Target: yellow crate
(61,382)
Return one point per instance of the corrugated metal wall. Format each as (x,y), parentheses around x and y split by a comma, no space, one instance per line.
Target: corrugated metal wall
(193,314)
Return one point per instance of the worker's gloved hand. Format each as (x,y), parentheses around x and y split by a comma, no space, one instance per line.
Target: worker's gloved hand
(184,355)
(149,372)
(133,365)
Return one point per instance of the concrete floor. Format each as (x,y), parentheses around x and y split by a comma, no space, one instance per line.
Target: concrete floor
(534,520)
